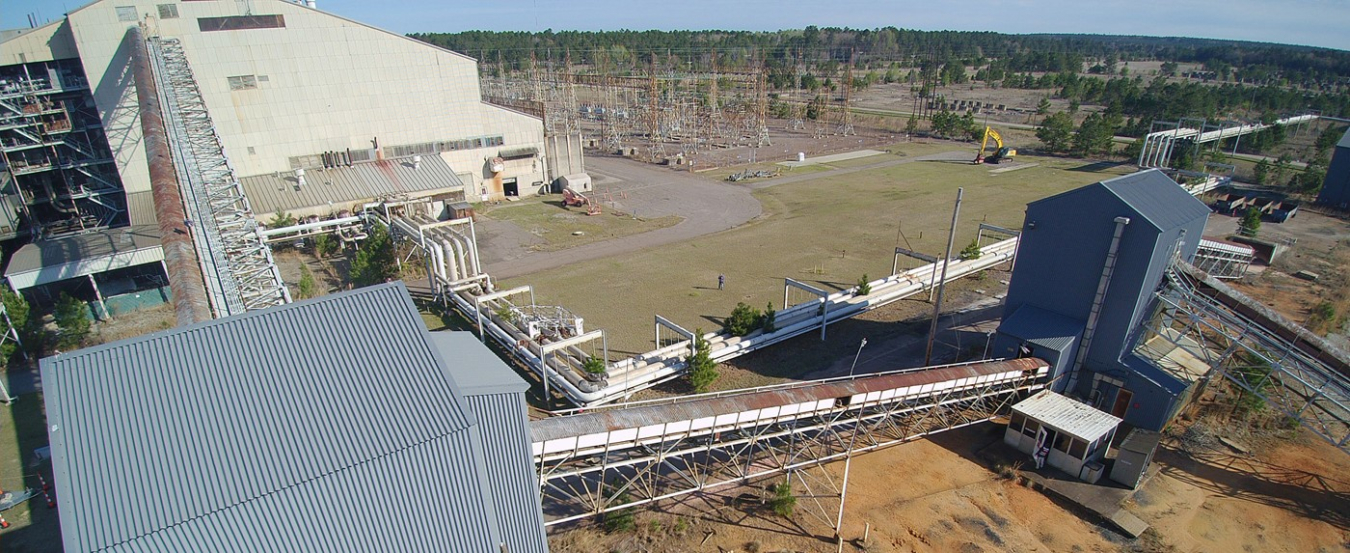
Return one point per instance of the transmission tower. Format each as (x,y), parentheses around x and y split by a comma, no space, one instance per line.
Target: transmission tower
(570,96)
(845,115)
(761,105)
(714,120)
(654,114)
(798,108)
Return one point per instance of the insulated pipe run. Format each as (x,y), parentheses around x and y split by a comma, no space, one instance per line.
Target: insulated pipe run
(180,256)
(459,254)
(451,267)
(437,261)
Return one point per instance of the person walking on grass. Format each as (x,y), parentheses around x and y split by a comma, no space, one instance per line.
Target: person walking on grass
(721,281)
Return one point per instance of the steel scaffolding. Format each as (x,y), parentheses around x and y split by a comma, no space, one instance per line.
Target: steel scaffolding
(610,459)
(240,273)
(1287,367)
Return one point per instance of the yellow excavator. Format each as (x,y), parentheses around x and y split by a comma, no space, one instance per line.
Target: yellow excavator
(1001,154)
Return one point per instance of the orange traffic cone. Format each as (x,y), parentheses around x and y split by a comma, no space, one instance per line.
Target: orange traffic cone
(46,491)
(3,523)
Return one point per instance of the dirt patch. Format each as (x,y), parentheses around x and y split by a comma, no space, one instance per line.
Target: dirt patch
(1314,242)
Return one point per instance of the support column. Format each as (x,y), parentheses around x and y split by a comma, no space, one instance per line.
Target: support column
(102,307)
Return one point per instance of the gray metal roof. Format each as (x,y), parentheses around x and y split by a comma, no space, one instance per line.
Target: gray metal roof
(106,243)
(341,186)
(1041,327)
(141,208)
(1158,198)
(474,367)
(1062,413)
(47,261)
(1150,194)
(312,426)
(1345,140)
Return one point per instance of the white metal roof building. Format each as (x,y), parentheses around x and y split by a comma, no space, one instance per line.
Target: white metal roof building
(1074,433)
(333,424)
(285,87)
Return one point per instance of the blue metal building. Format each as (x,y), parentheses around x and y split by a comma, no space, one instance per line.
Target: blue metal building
(335,424)
(1336,187)
(1087,266)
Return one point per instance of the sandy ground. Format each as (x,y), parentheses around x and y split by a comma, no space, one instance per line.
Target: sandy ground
(1315,242)
(939,495)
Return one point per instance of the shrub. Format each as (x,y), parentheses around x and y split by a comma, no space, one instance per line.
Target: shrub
(702,369)
(593,365)
(743,320)
(1323,315)
(375,261)
(281,219)
(17,309)
(864,287)
(972,251)
(621,520)
(307,287)
(769,325)
(1254,371)
(1250,223)
(71,318)
(782,501)
(326,245)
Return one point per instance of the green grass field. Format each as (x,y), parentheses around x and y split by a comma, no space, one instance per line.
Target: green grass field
(33,527)
(828,231)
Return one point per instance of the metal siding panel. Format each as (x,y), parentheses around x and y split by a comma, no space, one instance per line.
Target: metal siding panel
(514,484)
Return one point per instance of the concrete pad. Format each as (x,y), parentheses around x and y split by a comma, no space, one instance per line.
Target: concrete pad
(832,158)
(1013,168)
(1128,523)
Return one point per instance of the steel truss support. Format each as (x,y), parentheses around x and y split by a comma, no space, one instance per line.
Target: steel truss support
(240,273)
(1259,360)
(677,329)
(789,284)
(630,470)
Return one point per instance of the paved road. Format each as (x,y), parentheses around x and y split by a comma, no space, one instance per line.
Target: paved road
(705,205)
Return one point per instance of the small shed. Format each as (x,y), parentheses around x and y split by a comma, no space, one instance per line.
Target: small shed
(1134,456)
(460,210)
(1076,433)
(578,182)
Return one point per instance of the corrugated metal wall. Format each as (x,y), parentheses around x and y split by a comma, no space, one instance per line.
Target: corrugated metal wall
(506,445)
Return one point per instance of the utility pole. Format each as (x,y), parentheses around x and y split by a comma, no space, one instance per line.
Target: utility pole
(855,357)
(942,283)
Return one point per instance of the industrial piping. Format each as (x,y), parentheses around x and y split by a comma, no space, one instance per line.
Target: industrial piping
(180,256)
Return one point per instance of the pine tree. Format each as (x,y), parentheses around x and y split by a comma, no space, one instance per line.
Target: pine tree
(375,261)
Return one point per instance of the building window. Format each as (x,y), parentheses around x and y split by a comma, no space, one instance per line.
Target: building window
(1031,428)
(1077,448)
(240,22)
(168,11)
(126,13)
(1062,442)
(243,82)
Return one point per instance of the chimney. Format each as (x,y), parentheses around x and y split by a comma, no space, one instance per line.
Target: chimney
(299,178)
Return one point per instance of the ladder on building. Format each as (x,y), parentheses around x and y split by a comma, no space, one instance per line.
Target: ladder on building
(237,263)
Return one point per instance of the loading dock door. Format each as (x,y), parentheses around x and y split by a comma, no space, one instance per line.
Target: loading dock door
(510,188)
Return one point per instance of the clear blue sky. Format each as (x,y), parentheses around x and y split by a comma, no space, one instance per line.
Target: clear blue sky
(1312,22)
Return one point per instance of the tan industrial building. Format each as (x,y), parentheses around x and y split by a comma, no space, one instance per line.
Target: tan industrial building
(314,113)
